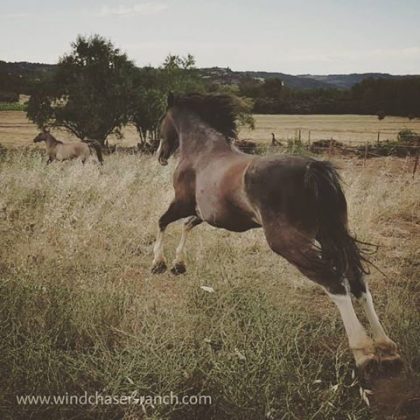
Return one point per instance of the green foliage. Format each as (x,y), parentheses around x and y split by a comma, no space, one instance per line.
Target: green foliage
(179,75)
(8,97)
(40,108)
(12,106)
(244,112)
(406,135)
(390,96)
(151,87)
(90,92)
(23,77)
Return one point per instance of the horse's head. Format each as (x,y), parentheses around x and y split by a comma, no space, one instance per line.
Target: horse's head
(43,136)
(169,140)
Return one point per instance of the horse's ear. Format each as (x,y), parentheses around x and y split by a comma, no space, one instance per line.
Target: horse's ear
(170,100)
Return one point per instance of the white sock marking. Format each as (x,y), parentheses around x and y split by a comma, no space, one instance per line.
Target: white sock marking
(377,329)
(158,248)
(356,334)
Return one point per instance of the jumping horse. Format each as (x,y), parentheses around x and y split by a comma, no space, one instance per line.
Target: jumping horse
(57,150)
(298,201)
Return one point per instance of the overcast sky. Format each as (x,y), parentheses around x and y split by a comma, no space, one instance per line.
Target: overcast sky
(318,37)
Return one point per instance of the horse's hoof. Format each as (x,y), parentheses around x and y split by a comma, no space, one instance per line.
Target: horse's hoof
(386,348)
(367,363)
(159,267)
(178,268)
(391,365)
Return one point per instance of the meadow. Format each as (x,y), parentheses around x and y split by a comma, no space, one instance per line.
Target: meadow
(81,312)
(15,129)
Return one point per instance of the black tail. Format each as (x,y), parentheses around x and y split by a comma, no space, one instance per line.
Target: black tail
(93,144)
(338,248)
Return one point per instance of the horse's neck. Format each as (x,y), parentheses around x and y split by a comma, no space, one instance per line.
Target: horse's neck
(51,142)
(196,138)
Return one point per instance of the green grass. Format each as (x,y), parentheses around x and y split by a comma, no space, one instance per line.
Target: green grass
(12,106)
(80,311)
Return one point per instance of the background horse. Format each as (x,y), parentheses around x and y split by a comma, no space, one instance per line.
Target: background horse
(57,150)
(298,201)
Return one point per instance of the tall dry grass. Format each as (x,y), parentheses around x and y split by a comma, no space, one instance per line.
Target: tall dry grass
(80,311)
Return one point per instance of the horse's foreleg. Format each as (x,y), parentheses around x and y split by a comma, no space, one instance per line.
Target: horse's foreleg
(159,262)
(175,212)
(50,159)
(178,265)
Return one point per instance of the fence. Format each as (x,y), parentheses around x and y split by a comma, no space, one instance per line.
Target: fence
(386,143)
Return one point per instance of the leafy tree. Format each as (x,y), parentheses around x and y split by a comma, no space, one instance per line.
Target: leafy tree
(90,91)
(151,87)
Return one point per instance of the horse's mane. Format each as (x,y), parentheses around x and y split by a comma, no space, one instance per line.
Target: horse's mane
(218,111)
(57,141)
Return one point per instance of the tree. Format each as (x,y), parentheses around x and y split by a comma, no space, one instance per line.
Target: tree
(90,91)
(151,87)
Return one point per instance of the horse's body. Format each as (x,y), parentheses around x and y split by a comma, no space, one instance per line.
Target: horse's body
(297,201)
(57,150)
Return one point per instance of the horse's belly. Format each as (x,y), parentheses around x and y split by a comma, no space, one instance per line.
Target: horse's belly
(221,199)
(226,216)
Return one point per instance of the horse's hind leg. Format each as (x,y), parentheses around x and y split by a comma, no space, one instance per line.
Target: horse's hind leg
(386,348)
(298,248)
(178,265)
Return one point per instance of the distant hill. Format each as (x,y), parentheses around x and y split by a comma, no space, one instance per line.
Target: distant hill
(299,82)
(24,68)
(228,76)
(17,78)
(223,75)
(346,81)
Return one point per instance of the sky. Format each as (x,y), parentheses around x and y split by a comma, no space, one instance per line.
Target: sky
(296,37)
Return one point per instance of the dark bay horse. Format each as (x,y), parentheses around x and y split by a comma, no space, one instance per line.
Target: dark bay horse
(57,150)
(298,201)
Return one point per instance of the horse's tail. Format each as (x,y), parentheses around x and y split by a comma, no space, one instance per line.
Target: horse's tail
(95,145)
(339,249)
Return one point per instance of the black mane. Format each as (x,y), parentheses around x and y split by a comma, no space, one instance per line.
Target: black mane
(55,139)
(218,111)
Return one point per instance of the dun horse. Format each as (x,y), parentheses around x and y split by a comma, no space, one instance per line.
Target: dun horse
(298,201)
(57,150)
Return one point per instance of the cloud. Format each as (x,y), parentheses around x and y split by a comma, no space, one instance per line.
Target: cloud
(148,8)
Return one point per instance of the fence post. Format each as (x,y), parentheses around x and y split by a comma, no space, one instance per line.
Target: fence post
(379,134)
(416,163)
(366,154)
(300,135)
(309,137)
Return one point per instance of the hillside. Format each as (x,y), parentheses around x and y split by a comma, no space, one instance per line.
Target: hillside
(299,82)
(347,81)
(25,71)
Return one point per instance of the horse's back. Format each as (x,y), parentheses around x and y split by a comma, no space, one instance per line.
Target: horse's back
(72,150)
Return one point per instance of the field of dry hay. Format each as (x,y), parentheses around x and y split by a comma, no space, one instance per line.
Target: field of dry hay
(80,310)
(16,130)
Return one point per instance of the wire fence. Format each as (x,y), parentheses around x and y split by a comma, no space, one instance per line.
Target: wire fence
(400,146)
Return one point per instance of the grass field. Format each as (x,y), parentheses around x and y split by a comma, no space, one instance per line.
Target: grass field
(80,311)
(15,129)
